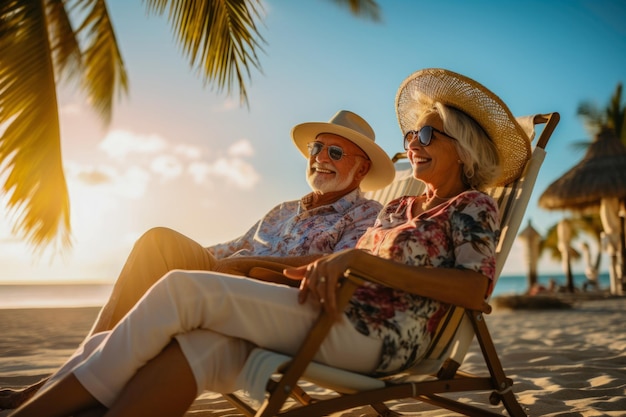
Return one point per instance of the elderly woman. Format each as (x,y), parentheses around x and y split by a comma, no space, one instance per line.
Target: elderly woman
(193,330)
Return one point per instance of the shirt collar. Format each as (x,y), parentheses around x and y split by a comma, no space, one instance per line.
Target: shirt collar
(341,205)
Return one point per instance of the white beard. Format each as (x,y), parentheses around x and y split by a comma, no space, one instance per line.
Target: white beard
(320,184)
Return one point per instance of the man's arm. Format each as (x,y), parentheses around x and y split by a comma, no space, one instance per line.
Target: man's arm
(264,268)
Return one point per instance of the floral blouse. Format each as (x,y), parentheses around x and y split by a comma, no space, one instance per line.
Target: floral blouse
(289,229)
(461,233)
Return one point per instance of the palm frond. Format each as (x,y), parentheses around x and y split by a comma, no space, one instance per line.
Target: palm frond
(104,75)
(616,114)
(66,53)
(591,224)
(550,243)
(220,38)
(593,118)
(30,154)
(612,116)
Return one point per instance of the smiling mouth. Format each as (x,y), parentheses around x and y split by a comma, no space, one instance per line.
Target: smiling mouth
(420,160)
(320,170)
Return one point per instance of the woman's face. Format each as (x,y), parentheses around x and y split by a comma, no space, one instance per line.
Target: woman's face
(437,163)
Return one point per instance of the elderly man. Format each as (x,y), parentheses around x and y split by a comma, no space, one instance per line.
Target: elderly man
(343,161)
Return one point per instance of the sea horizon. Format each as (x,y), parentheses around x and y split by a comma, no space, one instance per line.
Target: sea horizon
(70,294)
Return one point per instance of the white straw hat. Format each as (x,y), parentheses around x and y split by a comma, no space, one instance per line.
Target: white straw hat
(475,100)
(352,127)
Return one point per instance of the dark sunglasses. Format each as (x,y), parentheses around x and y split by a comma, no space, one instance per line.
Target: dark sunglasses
(334,152)
(424,136)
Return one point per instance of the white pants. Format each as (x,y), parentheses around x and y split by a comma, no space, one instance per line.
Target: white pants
(235,313)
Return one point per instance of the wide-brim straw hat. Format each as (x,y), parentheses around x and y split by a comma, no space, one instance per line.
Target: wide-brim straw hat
(352,127)
(478,102)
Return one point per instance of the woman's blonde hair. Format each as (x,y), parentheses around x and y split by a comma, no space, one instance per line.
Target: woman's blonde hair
(477,152)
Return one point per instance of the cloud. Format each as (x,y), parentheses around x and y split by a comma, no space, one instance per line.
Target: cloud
(242,148)
(120,143)
(236,171)
(156,156)
(188,151)
(109,180)
(167,166)
(200,172)
(133,182)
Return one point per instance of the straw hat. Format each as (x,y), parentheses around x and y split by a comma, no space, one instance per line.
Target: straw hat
(352,127)
(476,101)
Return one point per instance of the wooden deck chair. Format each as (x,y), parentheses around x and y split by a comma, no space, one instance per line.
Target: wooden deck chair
(434,380)
(403,184)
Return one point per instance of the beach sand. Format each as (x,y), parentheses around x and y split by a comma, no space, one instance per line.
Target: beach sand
(562,362)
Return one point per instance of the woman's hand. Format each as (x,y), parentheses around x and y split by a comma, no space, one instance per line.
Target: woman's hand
(320,279)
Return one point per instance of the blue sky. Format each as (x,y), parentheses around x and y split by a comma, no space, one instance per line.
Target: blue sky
(182,155)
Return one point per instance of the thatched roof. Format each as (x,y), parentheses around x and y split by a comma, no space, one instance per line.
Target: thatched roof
(600,174)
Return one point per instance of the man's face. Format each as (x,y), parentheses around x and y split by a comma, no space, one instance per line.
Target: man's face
(325,174)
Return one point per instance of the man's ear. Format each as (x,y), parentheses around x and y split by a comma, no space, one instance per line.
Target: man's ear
(364,168)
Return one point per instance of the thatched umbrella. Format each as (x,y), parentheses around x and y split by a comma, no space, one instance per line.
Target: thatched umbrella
(595,182)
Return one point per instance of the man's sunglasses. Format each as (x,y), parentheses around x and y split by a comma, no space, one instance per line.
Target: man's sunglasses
(334,152)
(424,136)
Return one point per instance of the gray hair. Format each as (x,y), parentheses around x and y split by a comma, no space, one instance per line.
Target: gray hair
(477,152)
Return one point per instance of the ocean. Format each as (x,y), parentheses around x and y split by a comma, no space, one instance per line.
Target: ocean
(95,294)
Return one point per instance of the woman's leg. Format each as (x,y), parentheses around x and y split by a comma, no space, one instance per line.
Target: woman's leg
(65,398)
(164,387)
(264,314)
(167,385)
(12,398)
(157,252)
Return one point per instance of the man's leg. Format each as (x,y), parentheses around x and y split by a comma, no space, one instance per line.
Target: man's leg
(157,252)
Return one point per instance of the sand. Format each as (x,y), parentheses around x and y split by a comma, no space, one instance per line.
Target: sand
(563,362)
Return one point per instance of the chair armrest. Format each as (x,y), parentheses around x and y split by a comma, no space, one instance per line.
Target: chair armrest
(472,299)
(271,275)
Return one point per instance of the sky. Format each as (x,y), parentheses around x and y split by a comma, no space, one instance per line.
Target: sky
(180,154)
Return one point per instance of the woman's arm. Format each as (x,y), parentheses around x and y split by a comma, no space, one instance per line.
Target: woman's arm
(320,278)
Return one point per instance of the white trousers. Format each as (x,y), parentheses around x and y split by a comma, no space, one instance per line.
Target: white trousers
(216,319)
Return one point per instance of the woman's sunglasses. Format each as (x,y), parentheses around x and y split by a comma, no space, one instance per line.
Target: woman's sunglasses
(424,136)
(334,152)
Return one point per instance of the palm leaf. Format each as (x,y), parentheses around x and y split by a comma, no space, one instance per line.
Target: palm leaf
(550,243)
(104,73)
(30,154)
(38,47)
(219,37)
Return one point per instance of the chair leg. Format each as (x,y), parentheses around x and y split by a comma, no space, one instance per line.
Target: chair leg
(384,411)
(502,384)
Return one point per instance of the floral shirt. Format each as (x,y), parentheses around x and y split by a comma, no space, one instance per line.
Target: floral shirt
(291,230)
(461,233)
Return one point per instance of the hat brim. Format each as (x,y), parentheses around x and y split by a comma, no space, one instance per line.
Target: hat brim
(382,170)
(475,100)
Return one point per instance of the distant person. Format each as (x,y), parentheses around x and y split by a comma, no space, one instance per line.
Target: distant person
(343,161)
(194,330)
(538,288)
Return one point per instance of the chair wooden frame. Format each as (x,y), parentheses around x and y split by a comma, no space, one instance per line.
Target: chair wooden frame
(448,349)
